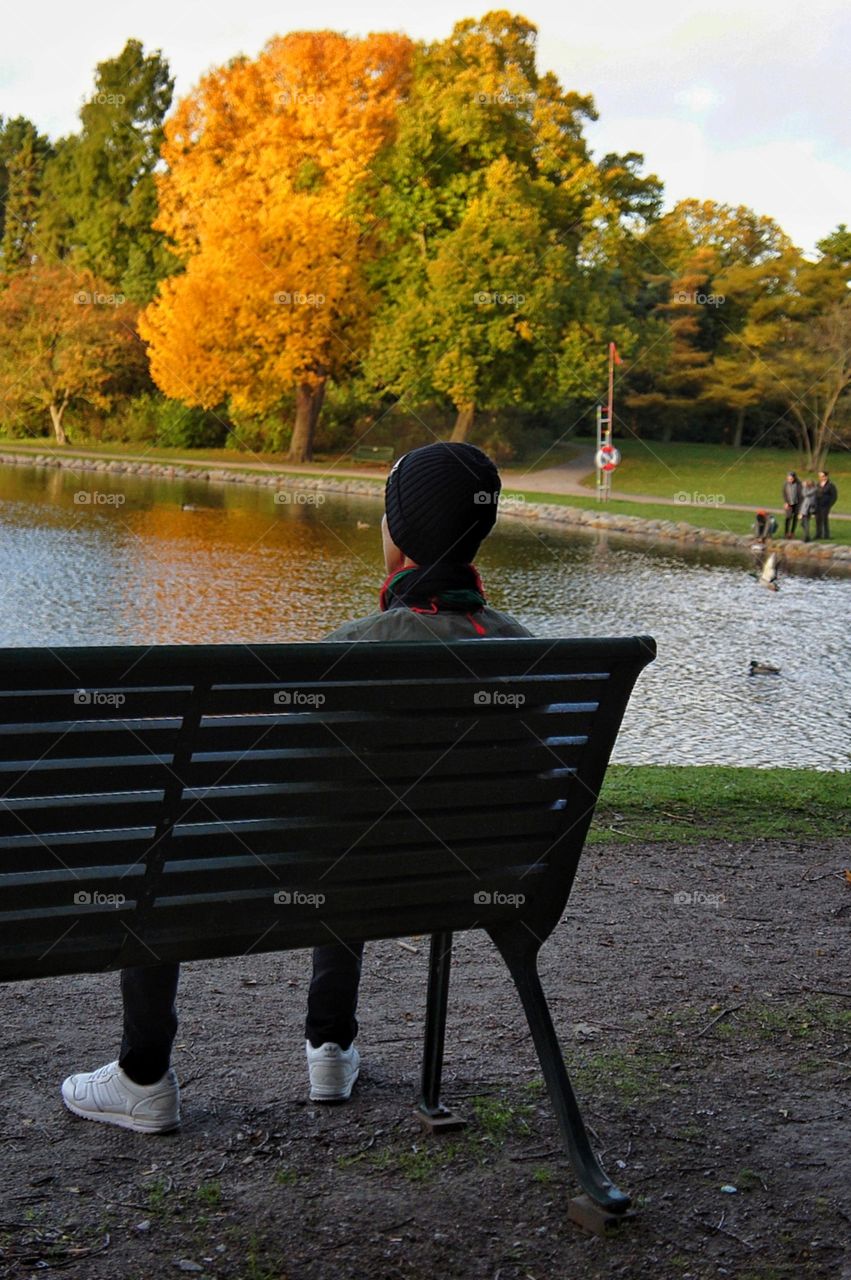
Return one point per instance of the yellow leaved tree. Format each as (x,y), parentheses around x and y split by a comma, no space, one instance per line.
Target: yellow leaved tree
(268,161)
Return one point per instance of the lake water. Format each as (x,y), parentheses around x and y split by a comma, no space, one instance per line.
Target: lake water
(131,566)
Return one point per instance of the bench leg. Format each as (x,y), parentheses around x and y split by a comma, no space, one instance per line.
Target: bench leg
(432,1115)
(521,958)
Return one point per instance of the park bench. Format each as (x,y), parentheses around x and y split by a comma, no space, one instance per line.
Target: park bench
(174,803)
(373,453)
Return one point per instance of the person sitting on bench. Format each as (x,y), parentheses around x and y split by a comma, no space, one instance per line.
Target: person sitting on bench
(440,504)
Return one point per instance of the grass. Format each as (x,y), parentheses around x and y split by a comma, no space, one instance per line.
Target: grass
(753,476)
(701,802)
(791,1021)
(416,1163)
(723,518)
(498,1119)
(622,1075)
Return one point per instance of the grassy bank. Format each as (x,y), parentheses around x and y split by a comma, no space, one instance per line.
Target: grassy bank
(702,802)
(720,517)
(753,476)
(731,521)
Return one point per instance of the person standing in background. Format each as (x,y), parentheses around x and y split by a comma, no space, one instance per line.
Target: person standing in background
(825,498)
(792,495)
(807,507)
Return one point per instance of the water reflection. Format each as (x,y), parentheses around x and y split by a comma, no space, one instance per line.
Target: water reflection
(136,567)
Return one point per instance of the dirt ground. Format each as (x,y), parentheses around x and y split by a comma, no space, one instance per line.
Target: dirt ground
(702,997)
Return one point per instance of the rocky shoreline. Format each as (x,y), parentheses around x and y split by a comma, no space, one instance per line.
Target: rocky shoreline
(803,554)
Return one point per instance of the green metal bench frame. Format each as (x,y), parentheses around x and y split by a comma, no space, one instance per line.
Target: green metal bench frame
(185,802)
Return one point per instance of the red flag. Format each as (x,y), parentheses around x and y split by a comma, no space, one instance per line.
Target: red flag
(614,352)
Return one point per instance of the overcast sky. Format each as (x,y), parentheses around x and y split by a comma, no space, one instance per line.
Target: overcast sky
(741,101)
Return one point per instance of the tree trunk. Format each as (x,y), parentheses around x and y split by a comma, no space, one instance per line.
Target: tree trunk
(739,430)
(56,415)
(308,404)
(463,423)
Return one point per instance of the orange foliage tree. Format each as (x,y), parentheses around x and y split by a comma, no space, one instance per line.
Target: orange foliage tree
(64,339)
(268,161)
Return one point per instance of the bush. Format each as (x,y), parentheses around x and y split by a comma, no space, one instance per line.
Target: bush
(181,428)
(153,419)
(269,433)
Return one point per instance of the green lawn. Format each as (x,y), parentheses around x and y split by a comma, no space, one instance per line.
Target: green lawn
(754,476)
(703,802)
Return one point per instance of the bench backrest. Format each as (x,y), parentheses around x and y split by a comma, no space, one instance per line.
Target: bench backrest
(180,802)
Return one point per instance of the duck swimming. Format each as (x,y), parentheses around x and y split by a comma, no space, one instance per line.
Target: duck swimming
(763,669)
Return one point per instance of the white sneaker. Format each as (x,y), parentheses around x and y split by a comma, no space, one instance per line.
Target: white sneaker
(333,1071)
(111,1096)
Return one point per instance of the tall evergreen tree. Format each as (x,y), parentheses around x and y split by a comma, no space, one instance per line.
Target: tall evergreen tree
(24,153)
(100,198)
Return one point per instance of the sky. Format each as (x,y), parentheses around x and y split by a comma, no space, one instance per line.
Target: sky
(739,101)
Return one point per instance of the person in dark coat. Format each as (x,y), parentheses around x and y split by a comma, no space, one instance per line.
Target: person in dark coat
(792,495)
(825,499)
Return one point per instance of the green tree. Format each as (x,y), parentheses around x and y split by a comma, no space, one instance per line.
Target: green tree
(485,147)
(100,197)
(480,326)
(23,155)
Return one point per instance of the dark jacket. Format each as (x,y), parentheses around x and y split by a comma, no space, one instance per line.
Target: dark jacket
(405,624)
(825,496)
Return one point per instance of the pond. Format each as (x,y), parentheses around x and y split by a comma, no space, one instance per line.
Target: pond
(152,561)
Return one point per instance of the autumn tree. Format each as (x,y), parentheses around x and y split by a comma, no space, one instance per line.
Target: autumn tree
(709,266)
(64,340)
(264,160)
(797,345)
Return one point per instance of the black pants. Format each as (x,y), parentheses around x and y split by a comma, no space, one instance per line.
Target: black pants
(150,1015)
(805,527)
(823,523)
(791,524)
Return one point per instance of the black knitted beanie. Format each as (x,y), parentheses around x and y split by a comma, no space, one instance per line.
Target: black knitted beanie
(441,502)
